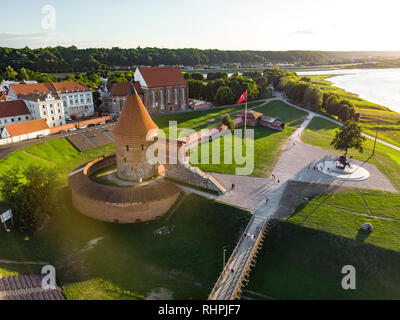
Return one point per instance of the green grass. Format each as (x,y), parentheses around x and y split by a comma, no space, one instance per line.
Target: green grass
(185,263)
(97,289)
(12,270)
(199,120)
(267,144)
(347,224)
(370,112)
(320,133)
(304,263)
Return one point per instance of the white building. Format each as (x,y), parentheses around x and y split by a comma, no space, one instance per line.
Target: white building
(13,112)
(23,131)
(77,100)
(48,106)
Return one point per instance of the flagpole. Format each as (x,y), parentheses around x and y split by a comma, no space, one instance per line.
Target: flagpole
(245,121)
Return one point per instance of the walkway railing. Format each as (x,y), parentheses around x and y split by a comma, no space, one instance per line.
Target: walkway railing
(244,272)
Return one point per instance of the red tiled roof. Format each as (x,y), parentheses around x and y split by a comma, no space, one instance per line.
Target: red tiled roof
(13,108)
(162,76)
(121,89)
(24,89)
(134,120)
(18,129)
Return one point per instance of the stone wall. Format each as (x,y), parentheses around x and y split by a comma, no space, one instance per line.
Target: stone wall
(117,204)
(193,176)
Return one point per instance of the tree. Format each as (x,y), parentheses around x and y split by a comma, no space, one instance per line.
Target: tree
(227,120)
(348,136)
(196,88)
(11,74)
(224,96)
(197,76)
(28,192)
(313,97)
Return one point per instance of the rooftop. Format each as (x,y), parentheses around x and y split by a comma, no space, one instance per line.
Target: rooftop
(134,120)
(162,76)
(121,89)
(13,108)
(18,129)
(24,89)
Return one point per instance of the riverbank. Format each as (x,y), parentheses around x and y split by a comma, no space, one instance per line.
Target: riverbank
(373,116)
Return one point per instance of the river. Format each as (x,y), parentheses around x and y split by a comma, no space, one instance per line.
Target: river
(381,86)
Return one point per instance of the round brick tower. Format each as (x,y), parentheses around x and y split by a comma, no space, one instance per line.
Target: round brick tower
(130,140)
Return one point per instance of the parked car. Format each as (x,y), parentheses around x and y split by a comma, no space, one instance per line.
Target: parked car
(82,127)
(100,123)
(71,129)
(40,136)
(91,125)
(63,132)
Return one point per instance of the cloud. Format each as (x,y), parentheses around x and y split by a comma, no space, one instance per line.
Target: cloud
(306,31)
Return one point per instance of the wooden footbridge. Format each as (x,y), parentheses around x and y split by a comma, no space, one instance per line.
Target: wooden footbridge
(237,270)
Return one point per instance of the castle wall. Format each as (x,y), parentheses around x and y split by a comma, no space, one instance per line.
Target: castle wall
(193,176)
(117,204)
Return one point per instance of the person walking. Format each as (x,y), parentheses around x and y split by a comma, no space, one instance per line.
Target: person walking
(267,200)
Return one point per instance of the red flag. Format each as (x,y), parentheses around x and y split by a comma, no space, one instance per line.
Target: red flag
(243,98)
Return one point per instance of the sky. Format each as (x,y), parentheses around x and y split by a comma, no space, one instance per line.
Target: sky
(340,25)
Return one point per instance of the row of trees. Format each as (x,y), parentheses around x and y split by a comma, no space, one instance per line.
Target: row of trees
(303,92)
(72,59)
(225,91)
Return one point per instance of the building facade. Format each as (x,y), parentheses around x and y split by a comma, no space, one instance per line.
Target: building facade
(77,100)
(164,88)
(48,106)
(114,96)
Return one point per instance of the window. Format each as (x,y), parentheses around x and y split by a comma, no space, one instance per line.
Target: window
(19,118)
(161,97)
(142,147)
(26,118)
(169,96)
(176,96)
(154,98)
(127,148)
(183,94)
(12,119)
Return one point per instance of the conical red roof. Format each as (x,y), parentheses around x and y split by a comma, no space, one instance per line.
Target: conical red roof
(134,120)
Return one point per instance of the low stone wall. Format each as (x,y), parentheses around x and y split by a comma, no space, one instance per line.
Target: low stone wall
(117,204)
(193,176)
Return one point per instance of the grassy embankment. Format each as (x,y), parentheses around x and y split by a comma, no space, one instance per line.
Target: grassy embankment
(320,133)
(268,143)
(122,261)
(370,112)
(303,257)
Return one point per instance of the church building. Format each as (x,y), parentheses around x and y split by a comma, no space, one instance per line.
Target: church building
(164,89)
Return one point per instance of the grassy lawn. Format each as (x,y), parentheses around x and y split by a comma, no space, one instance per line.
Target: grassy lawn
(198,120)
(267,144)
(320,133)
(304,263)
(94,259)
(339,219)
(370,112)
